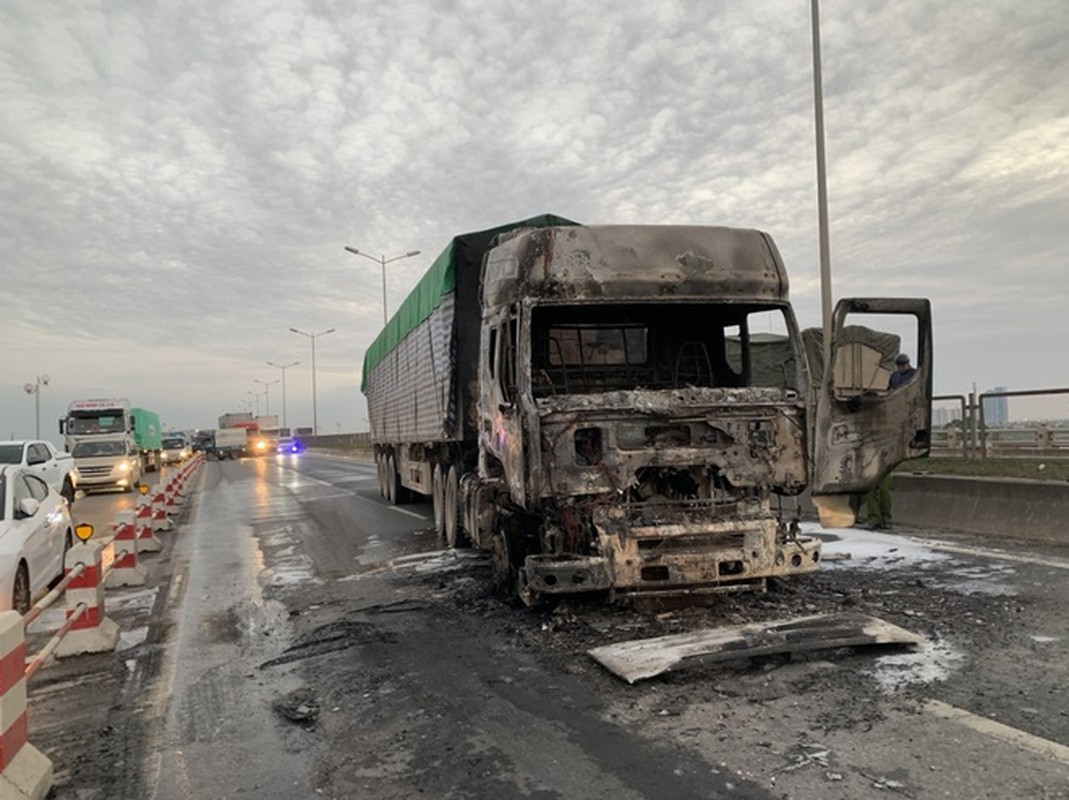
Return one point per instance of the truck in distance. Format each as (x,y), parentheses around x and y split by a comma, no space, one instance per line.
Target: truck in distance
(582,402)
(175,447)
(231,443)
(107,463)
(114,420)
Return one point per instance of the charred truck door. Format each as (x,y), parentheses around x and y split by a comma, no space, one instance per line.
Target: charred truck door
(863,427)
(503,435)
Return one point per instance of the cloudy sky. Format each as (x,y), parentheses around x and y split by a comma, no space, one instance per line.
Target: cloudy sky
(178,178)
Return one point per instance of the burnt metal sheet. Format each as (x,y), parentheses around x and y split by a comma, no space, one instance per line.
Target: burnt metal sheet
(602,261)
(639,659)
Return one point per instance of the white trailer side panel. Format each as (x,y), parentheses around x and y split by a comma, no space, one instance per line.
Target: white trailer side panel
(411,394)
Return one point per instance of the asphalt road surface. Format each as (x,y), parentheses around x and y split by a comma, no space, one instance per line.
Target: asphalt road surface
(299,638)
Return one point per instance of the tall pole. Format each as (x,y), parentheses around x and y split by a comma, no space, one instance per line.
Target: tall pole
(822,189)
(315,408)
(35,389)
(267,394)
(283,367)
(383,261)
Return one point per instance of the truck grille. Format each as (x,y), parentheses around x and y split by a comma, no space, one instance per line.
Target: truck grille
(94,472)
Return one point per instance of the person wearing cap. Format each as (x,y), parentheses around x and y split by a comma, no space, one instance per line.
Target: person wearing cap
(878,501)
(903,373)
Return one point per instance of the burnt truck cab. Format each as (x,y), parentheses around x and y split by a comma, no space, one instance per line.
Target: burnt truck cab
(628,438)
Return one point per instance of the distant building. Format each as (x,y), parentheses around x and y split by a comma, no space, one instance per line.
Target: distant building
(941,417)
(996,409)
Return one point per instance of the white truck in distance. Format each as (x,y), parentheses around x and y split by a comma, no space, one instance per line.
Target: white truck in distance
(230,442)
(176,447)
(54,467)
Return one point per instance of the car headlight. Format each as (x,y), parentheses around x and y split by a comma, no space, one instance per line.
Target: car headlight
(123,466)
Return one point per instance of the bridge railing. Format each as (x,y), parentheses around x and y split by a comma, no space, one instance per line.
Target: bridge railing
(1032,423)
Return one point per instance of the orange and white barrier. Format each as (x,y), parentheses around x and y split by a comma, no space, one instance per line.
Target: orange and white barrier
(160,520)
(92,631)
(126,571)
(25,772)
(146,540)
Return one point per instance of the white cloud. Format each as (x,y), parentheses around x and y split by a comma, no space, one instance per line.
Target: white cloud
(179,179)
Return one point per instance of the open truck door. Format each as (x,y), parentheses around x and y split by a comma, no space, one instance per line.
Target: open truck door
(863,428)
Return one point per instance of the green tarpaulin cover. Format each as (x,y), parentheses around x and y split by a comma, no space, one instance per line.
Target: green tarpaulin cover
(437,282)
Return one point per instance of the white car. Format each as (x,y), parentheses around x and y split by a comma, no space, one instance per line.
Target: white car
(45,461)
(35,533)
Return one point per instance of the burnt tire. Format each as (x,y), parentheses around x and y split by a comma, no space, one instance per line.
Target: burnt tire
(20,596)
(502,570)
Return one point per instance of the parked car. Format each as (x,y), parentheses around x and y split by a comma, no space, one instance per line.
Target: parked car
(53,466)
(287,445)
(35,533)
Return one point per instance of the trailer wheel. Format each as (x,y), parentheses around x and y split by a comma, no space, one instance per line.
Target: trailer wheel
(383,485)
(388,478)
(453,534)
(398,493)
(438,501)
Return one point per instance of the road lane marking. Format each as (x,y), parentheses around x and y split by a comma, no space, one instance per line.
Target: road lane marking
(1057,563)
(423,517)
(997,730)
(306,499)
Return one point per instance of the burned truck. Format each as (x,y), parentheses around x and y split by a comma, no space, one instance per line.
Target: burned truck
(582,402)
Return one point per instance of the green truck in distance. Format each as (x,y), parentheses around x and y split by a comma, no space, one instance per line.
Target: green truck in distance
(110,419)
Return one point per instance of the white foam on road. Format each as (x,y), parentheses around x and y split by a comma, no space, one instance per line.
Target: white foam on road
(930,661)
(940,566)
(288,564)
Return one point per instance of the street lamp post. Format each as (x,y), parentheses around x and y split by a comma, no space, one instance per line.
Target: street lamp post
(315,409)
(267,394)
(383,261)
(35,389)
(283,367)
(256,396)
(822,188)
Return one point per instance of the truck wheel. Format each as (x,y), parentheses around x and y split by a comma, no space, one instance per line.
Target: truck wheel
(502,572)
(438,501)
(453,534)
(526,595)
(393,482)
(379,479)
(384,481)
(67,492)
